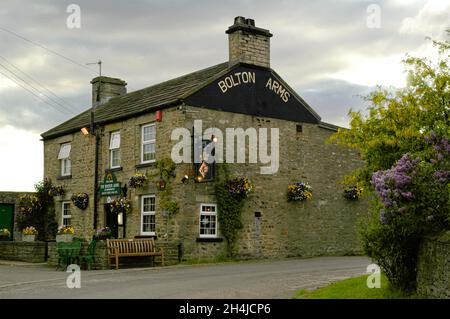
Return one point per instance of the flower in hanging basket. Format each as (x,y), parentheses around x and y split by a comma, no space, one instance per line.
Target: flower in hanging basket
(137,180)
(121,205)
(30,230)
(80,200)
(66,230)
(57,191)
(102,233)
(4,233)
(299,191)
(239,187)
(352,192)
(28,203)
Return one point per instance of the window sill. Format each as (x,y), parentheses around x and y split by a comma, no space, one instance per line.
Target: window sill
(145,236)
(60,178)
(208,240)
(115,169)
(144,165)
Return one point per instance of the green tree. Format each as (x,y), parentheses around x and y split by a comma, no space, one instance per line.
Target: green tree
(397,121)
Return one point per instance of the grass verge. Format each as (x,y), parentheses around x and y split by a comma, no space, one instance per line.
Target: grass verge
(353,288)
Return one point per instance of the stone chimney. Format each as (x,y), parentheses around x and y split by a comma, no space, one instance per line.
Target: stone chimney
(109,88)
(248,43)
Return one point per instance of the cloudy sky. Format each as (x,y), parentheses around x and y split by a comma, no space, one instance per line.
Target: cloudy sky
(330,52)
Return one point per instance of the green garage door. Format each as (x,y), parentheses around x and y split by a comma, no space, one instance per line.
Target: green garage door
(7,217)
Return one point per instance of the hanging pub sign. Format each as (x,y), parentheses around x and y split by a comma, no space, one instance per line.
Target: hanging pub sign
(109,186)
(204,171)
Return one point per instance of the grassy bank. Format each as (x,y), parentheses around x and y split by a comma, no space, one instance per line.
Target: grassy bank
(352,288)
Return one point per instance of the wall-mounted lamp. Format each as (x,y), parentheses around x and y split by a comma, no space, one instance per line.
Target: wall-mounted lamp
(214,138)
(120,219)
(85,131)
(185,179)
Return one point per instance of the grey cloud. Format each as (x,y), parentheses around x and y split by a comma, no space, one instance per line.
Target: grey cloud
(145,42)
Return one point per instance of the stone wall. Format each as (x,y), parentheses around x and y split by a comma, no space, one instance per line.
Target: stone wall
(33,252)
(433,267)
(326,225)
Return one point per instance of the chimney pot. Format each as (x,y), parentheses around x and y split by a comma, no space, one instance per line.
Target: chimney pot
(239,20)
(250,22)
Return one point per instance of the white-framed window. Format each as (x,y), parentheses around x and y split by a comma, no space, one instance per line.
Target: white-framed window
(64,157)
(148,215)
(66,215)
(114,150)
(208,221)
(148,143)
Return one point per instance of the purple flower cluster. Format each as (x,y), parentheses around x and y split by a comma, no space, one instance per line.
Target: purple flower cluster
(391,185)
(442,152)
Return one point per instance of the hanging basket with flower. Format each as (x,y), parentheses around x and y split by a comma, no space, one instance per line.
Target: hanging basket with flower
(80,200)
(239,187)
(121,205)
(299,191)
(137,180)
(57,191)
(352,192)
(28,203)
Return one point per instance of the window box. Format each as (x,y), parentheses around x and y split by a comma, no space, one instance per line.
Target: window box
(65,238)
(28,238)
(209,240)
(59,178)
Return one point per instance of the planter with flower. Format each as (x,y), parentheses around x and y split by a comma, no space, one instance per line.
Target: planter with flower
(102,233)
(121,205)
(239,188)
(65,234)
(57,191)
(28,203)
(29,233)
(5,234)
(299,191)
(137,180)
(352,192)
(80,200)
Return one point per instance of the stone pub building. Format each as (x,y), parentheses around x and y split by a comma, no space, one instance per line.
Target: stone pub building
(97,152)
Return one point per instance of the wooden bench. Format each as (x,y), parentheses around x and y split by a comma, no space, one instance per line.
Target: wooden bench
(130,248)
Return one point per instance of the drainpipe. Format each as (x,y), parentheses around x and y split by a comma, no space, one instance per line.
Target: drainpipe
(97,145)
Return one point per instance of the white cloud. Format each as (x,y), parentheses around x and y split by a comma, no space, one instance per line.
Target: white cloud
(432,20)
(21,159)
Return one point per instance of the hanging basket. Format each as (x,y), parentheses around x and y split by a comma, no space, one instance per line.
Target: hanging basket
(80,200)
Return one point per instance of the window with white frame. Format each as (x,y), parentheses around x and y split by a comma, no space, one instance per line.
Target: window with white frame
(148,215)
(66,216)
(64,157)
(148,144)
(114,150)
(208,220)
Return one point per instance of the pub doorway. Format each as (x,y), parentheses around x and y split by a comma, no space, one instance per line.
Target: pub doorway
(111,221)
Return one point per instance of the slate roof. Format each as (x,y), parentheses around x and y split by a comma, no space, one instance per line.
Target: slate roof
(141,101)
(161,95)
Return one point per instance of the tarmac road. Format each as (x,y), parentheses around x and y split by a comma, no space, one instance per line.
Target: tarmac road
(252,280)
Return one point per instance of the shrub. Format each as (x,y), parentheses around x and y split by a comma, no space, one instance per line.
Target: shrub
(413,202)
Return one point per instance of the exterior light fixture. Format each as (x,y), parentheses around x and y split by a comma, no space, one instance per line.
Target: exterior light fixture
(85,131)
(185,178)
(199,179)
(120,219)
(214,139)
(162,183)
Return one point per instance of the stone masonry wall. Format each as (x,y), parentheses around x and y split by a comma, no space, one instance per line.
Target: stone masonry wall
(323,226)
(249,48)
(33,252)
(433,267)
